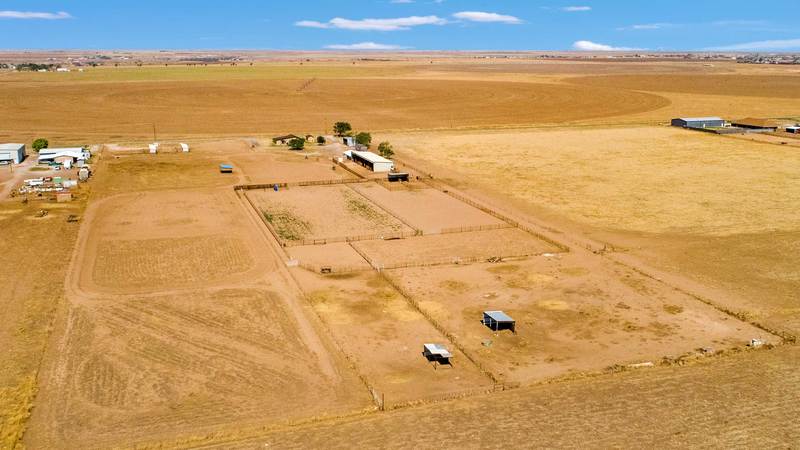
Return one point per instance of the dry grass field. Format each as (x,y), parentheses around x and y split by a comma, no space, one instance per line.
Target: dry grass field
(169,315)
(709,207)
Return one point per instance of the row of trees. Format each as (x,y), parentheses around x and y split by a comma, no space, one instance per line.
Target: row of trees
(363,138)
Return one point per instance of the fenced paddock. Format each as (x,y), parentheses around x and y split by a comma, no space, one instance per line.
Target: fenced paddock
(452,248)
(321,214)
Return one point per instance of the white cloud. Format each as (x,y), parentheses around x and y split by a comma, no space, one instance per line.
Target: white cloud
(774,45)
(576,8)
(34,15)
(589,46)
(401,23)
(364,46)
(480,16)
(648,26)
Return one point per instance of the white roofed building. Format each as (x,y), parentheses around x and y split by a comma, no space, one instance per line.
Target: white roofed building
(12,153)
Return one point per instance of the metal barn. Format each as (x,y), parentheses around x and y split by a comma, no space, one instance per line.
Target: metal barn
(12,153)
(698,122)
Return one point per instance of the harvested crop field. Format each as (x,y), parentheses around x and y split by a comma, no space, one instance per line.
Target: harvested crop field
(323,212)
(572,316)
(246,106)
(138,369)
(427,209)
(454,248)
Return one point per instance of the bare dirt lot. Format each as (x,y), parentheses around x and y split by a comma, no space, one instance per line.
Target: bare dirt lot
(454,248)
(384,335)
(571,316)
(426,209)
(320,212)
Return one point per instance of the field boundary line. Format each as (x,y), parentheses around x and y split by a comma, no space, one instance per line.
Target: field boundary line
(383,208)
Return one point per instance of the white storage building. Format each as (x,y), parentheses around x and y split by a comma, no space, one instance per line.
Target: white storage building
(77,155)
(372,161)
(12,153)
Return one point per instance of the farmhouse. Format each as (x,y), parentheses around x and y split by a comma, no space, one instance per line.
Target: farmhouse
(698,122)
(756,125)
(75,155)
(437,353)
(498,320)
(373,162)
(12,153)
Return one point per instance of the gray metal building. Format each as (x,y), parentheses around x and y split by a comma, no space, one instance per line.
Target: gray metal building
(13,153)
(698,122)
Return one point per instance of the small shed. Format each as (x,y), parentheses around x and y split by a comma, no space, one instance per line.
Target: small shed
(698,122)
(437,354)
(397,176)
(184,147)
(498,320)
(349,141)
(793,130)
(225,168)
(153,147)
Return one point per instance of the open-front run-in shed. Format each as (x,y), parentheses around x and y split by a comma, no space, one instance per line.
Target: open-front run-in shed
(437,354)
(498,320)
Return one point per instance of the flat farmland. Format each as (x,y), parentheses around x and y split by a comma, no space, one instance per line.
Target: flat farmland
(384,335)
(572,315)
(719,210)
(319,212)
(426,209)
(156,240)
(454,247)
(138,369)
(712,404)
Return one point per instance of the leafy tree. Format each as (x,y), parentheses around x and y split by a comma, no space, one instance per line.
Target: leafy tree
(297,143)
(321,140)
(364,138)
(385,149)
(342,128)
(39,144)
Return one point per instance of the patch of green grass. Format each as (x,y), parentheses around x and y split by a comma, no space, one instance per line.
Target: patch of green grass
(287,226)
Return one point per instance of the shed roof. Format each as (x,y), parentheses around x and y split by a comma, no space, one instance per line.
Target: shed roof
(7,147)
(372,157)
(498,316)
(225,166)
(754,122)
(437,349)
(700,119)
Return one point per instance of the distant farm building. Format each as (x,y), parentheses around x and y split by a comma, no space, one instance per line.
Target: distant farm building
(794,130)
(75,156)
(349,141)
(225,168)
(12,153)
(397,176)
(284,139)
(437,354)
(498,320)
(372,161)
(756,125)
(698,122)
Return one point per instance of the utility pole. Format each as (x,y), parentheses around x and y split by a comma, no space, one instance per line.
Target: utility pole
(155,139)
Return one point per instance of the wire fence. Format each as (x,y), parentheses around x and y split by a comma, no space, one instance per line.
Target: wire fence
(286,184)
(356,238)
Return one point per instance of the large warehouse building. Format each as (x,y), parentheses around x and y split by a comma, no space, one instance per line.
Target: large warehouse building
(698,122)
(12,153)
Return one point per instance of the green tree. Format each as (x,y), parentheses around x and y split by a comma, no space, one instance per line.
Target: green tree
(385,149)
(39,144)
(342,128)
(321,140)
(297,144)
(364,138)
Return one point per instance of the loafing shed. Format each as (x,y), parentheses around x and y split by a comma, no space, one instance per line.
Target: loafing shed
(498,320)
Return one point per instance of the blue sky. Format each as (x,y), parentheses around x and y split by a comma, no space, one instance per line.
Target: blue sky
(402,24)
